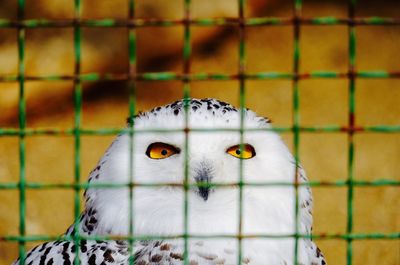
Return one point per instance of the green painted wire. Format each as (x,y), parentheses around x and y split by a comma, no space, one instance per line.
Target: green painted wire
(297,10)
(111,185)
(351,124)
(22,126)
(132,69)
(77,125)
(186,90)
(249,22)
(187,52)
(242,105)
(324,236)
(198,77)
(115,131)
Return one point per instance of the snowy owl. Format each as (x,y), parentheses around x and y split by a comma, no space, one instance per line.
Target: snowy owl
(174,145)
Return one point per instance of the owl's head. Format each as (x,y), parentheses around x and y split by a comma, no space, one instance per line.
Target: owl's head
(197,145)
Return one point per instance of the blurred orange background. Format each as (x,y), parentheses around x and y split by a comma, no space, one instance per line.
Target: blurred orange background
(50,51)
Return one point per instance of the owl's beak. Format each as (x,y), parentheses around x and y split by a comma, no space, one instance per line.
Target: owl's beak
(204,186)
(203,179)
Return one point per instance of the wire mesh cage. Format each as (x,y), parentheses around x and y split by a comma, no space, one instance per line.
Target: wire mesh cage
(188,75)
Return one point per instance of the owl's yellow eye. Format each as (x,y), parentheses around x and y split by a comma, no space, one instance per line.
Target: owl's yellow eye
(246,153)
(161,150)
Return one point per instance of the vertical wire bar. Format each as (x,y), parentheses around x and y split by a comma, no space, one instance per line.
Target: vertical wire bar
(296,117)
(352,87)
(242,104)
(22,126)
(77,124)
(132,107)
(187,51)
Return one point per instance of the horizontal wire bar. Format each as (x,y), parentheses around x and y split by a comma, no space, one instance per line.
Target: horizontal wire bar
(115,131)
(173,76)
(112,185)
(223,21)
(353,236)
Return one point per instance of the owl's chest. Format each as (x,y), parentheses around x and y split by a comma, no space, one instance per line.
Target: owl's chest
(207,252)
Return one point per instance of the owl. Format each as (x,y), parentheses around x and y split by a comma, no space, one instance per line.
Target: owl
(202,192)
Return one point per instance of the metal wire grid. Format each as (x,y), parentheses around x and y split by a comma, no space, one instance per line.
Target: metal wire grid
(132,76)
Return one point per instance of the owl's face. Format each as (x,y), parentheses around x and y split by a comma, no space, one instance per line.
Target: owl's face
(210,155)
